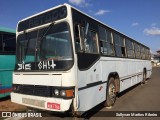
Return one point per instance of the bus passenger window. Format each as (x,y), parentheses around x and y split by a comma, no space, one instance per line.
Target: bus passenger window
(123,51)
(130,48)
(91,43)
(8,44)
(119,46)
(78,38)
(106,42)
(137,50)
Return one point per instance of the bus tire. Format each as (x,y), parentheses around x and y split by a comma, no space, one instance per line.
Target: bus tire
(110,93)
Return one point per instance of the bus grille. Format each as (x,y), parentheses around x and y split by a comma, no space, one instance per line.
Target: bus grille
(44,91)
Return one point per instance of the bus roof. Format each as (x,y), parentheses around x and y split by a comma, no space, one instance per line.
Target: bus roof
(8,30)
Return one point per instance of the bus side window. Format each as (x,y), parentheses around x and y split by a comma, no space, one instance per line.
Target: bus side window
(106,43)
(119,45)
(137,50)
(77,39)
(91,43)
(78,30)
(91,40)
(123,51)
(130,48)
(8,43)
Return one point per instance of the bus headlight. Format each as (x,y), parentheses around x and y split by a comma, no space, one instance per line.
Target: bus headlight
(56,92)
(16,88)
(67,93)
(63,93)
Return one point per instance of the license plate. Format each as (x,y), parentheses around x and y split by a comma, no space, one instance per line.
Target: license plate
(53,105)
(38,103)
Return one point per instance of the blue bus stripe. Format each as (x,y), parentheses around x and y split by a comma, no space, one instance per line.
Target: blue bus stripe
(5,87)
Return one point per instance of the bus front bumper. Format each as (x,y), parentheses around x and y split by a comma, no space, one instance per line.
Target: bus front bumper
(44,103)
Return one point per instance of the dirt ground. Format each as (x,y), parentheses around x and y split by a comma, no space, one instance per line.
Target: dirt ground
(7,105)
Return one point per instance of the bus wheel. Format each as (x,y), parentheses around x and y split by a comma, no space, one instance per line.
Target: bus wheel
(110,93)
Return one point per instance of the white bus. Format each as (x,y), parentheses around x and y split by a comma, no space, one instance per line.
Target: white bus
(69,61)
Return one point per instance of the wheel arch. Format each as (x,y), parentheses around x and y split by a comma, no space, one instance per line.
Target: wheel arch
(115,75)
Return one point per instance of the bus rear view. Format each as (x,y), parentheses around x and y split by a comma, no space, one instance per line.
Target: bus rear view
(44,72)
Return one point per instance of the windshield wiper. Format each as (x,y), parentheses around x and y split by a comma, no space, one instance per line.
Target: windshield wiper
(24,57)
(41,39)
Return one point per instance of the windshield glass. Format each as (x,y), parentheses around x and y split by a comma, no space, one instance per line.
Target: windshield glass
(44,46)
(56,46)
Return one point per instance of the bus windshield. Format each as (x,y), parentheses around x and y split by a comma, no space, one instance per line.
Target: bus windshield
(53,44)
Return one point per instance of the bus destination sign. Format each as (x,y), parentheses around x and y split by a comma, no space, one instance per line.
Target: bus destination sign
(53,15)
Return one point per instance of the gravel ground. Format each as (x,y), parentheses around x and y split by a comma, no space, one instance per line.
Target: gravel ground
(7,105)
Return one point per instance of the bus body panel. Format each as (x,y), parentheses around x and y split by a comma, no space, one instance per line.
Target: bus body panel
(51,79)
(89,93)
(7,63)
(96,94)
(37,79)
(51,104)
(7,60)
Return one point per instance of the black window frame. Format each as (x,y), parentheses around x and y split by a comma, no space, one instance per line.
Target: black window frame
(108,41)
(120,45)
(77,18)
(130,47)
